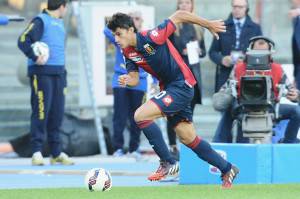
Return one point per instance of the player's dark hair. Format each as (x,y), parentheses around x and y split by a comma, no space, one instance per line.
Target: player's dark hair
(55,4)
(121,20)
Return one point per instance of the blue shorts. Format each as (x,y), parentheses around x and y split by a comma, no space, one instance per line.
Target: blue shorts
(175,102)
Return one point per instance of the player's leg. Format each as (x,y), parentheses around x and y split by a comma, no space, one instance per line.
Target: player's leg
(144,117)
(187,135)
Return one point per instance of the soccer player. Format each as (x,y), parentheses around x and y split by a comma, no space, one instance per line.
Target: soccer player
(153,51)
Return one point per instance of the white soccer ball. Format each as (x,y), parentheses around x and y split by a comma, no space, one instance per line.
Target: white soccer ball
(40,49)
(98,179)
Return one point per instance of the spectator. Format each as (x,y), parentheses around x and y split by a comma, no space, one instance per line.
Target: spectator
(184,34)
(47,80)
(286,111)
(232,44)
(126,99)
(294,13)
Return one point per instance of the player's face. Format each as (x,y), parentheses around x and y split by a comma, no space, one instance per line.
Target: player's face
(124,37)
(239,8)
(186,5)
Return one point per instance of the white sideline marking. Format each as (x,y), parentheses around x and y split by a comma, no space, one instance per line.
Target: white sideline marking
(69,172)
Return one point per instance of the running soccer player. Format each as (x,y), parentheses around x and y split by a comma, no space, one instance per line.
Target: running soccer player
(153,51)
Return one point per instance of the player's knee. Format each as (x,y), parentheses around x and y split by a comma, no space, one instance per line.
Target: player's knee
(138,116)
(186,140)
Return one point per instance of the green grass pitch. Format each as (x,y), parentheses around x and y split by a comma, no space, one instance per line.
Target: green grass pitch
(284,191)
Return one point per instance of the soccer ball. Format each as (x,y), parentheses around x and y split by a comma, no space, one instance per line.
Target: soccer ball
(40,49)
(98,179)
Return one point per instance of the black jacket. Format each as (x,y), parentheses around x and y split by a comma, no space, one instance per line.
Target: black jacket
(226,43)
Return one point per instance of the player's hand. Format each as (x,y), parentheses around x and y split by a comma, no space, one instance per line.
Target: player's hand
(292,94)
(41,60)
(123,80)
(215,27)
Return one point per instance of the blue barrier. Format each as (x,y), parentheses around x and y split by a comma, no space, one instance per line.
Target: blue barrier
(258,164)
(286,163)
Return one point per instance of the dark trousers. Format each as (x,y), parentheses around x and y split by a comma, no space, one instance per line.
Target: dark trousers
(297,75)
(47,103)
(126,101)
(286,111)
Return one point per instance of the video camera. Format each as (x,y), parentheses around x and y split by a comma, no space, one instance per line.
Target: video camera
(256,97)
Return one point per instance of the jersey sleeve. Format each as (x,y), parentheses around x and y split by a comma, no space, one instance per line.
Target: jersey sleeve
(161,33)
(130,66)
(33,33)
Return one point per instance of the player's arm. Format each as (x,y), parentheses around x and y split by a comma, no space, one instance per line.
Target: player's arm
(131,79)
(32,33)
(214,26)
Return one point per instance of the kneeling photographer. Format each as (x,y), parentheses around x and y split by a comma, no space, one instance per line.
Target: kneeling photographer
(252,93)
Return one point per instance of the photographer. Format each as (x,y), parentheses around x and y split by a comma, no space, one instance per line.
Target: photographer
(286,111)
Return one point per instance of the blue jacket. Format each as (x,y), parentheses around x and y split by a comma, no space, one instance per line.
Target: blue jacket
(120,68)
(51,31)
(54,36)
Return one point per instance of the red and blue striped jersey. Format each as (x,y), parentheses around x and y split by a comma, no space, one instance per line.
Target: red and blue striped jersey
(157,55)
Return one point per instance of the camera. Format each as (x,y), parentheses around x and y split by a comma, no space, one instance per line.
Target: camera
(256,98)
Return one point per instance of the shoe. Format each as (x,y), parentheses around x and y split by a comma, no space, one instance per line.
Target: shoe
(165,168)
(63,159)
(136,155)
(37,159)
(119,153)
(227,178)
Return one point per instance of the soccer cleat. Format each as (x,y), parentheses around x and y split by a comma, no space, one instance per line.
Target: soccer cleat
(63,159)
(165,168)
(37,159)
(227,178)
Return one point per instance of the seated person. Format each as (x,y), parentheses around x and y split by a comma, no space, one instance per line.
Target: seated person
(78,138)
(286,111)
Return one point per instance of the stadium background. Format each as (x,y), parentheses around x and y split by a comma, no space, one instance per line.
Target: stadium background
(15,107)
(14,98)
